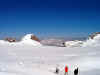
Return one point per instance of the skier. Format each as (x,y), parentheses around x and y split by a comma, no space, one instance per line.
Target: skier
(66,70)
(76,71)
(63,44)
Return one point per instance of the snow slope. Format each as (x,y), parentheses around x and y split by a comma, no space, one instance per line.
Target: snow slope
(75,43)
(19,60)
(28,57)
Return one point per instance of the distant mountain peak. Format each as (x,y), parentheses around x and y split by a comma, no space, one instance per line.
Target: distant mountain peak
(94,35)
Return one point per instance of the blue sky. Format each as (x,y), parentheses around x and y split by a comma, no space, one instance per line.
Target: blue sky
(49,17)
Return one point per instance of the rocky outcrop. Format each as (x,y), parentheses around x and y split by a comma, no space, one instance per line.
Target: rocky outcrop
(33,37)
(93,35)
(9,39)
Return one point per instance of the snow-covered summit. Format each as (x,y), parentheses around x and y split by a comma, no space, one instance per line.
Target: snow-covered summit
(28,39)
(93,40)
(94,35)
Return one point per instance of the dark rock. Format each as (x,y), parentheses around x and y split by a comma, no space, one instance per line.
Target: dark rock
(93,35)
(33,37)
(10,39)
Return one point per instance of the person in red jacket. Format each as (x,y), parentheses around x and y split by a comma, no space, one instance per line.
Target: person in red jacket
(66,70)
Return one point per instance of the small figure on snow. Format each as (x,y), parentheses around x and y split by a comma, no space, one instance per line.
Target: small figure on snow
(66,70)
(76,71)
(57,70)
(63,44)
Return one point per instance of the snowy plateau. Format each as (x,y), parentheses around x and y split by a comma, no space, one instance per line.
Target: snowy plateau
(29,57)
